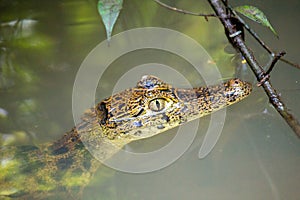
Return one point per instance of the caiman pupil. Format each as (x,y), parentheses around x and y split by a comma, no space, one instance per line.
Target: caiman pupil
(157,105)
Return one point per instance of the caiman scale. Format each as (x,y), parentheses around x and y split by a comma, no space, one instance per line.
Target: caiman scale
(148,109)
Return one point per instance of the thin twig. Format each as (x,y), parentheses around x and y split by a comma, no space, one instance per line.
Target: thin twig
(266,76)
(260,74)
(290,63)
(256,37)
(274,61)
(184,11)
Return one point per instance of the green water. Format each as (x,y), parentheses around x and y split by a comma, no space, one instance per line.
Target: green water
(44,43)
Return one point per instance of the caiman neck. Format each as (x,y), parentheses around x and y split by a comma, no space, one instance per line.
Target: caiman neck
(89,137)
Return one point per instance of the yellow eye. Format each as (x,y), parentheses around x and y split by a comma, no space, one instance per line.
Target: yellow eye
(157,105)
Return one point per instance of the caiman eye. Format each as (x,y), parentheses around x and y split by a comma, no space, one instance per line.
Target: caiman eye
(157,105)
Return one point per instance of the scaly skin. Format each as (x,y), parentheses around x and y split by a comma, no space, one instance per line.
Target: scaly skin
(150,108)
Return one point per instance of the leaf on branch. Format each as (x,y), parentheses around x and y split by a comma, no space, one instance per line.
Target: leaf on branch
(256,15)
(109,11)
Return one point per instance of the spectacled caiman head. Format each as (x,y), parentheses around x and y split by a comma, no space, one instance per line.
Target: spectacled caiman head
(154,106)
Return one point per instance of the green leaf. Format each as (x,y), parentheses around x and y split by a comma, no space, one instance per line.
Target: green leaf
(256,15)
(109,11)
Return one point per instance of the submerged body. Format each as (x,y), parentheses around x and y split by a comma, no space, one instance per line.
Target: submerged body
(148,109)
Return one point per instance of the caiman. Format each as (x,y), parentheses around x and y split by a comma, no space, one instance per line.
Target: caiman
(150,108)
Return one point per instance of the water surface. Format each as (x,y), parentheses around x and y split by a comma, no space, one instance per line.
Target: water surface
(43,45)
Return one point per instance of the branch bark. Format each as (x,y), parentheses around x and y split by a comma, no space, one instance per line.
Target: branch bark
(237,41)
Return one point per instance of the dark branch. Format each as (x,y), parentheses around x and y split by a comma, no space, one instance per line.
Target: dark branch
(264,79)
(260,74)
(231,22)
